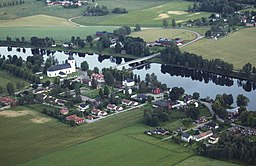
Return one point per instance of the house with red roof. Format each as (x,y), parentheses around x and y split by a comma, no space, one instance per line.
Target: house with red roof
(118,108)
(98,77)
(156,90)
(74,117)
(8,101)
(98,112)
(111,106)
(126,102)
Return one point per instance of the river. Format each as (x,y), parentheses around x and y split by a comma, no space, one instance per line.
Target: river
(210,88)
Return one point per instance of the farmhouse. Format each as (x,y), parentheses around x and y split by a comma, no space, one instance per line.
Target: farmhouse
(214,139)
(186,137)
(7,101)
(202,136)
(63,69)
(75,118)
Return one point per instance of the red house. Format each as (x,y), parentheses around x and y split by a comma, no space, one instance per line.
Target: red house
(75,118)
(8,101)
(156,90)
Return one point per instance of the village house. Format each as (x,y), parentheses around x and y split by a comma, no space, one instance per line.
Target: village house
(201,120)
(118,108)
(213,139)
(158,131)
(156,90)
(64,111)
(98,77)
(162,104)
(186,137)
(126,102)
(111,107)
(74,117)
(89,117)
(87,81)
(128,83)
(212,125)
(98,112)
(7,101)
(179,104)
(82,107)
(233,111)
(203,135)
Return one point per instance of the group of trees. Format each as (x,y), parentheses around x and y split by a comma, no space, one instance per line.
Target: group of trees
(135,46)
(176,93)
(14,66)
(150,83)
(218,6)
(122,31)
(119,10)
(41,42)
(172,55)
(248,118)
(111,74)
(230,147)
(155,116)
(96,11)
(166,23)
(77,41)
(11,3)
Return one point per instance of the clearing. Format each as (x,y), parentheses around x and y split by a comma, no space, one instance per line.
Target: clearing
(150,35)
(237,48)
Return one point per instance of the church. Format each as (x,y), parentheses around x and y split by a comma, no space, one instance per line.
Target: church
(62,70)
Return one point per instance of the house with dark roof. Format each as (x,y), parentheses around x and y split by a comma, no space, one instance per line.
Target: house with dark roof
(62,69)
(186,137)
(161,104)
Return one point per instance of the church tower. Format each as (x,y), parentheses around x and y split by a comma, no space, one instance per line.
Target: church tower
(72,63)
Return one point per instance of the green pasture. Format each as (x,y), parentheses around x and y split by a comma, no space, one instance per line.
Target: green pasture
(237,48)
(147,16)
(58,33)
(150,35)
(6,77)
(203,161)
(22,140)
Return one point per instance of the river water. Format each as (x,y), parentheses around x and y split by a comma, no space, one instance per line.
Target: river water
(205,89)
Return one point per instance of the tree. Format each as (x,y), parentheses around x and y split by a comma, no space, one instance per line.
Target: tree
(89,38)
(1,90)
(193,113)
(84,66)
(106,90)
(165,23)
(109,78)
(196,95)
(94,83)
(242,100)
(96,70)
(137,28)
(155,121)
(101,94)
(10,88)
(56,81)
(173,23)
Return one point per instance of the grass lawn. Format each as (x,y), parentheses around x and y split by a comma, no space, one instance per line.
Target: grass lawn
(203,161)
(147,16)
(150,35)
(6,77)
(58,33)
(237,48)
(23,140)
(204,111)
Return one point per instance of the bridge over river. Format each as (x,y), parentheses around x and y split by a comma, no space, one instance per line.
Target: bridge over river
(137,60)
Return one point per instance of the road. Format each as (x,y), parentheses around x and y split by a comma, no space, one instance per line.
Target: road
(209,106)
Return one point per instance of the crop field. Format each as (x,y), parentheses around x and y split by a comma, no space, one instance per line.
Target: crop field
(6,77)
(150,35)
(237,48)
(147,16)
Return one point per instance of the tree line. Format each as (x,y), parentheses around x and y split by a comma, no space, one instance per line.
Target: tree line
(96,11)
(230,147)
(11,3)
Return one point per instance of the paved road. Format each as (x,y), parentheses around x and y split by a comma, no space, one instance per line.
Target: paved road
(209,106)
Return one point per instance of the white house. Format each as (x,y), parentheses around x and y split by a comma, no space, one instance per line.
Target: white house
(233,111)
(128,82)
(63,69)
(202,136)
(186,137)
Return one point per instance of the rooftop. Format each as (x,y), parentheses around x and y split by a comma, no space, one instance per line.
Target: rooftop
(59,67)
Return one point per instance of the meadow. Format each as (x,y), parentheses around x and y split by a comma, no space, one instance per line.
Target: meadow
(151,35)
(6,77)
(237,48)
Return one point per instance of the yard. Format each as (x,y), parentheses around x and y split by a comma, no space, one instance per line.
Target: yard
(151,35)
(237,48)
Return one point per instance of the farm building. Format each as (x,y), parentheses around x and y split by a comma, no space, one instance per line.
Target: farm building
(202,136)
(186,137)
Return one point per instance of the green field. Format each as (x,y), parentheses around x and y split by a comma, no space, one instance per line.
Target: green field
(57,33)
(22,139)
(237,48)
(150,35)
(6,77)
(146,16)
